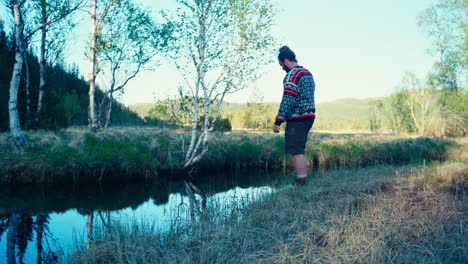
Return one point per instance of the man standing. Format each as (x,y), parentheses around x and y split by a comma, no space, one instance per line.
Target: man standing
(297,109)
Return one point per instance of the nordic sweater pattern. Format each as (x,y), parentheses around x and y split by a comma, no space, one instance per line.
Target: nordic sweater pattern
(298,96)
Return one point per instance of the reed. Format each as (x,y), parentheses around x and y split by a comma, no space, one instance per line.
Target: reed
(410,214)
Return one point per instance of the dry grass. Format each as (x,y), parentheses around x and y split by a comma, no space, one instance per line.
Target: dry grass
(379,215)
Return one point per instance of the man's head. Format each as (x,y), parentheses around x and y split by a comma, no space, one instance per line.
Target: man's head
(286,58)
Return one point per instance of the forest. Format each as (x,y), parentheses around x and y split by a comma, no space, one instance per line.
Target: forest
(194,178)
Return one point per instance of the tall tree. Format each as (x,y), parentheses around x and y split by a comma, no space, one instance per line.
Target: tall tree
(42,221)
(89,229)
(24,235)
(396,112)
(13,222)
(222,44)
(419,100)
(22,37)
(97,20)
(28,89)
(446,24)
(128,43)
(17,7)
(48,10)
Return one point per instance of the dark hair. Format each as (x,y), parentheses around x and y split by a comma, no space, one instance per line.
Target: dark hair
(286,53)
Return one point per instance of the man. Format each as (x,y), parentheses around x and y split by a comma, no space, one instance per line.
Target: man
(297,109)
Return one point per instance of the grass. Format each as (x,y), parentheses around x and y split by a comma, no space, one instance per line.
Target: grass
(410,214)
(123,154)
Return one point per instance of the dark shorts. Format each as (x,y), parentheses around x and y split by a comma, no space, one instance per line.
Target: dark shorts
(296,135)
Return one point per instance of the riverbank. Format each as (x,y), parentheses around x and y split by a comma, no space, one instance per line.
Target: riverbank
(408,214)
(75,156)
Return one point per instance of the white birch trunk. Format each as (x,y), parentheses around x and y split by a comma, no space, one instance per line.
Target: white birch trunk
(193,138)
(109,110)
(192,149)
(27,122)
(40,220)
(100,110)
(92,70)
(89,230)
(42,63)
(11,236)
(15,127)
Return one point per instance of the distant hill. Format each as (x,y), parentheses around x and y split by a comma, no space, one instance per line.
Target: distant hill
(345,109)
(341,109)
(142,109)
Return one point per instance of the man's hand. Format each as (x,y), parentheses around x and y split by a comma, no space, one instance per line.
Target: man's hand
(276,128)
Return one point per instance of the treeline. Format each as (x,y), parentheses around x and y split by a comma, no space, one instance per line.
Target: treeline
(421,110)
(65,102)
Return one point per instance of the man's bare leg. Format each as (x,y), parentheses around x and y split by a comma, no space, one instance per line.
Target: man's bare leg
(301,167)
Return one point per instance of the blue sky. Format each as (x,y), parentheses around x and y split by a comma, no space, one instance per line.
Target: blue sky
(356,49)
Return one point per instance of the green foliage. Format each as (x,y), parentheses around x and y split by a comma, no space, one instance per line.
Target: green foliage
(445,23)
(128,42)
(71,107)
(396,113)
(111,152)
(375,117)
(174,112)
(426,111)
(65,100)
(163,151)
(453,112)
(222,125)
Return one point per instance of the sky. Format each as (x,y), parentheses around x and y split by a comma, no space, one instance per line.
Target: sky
(354,49)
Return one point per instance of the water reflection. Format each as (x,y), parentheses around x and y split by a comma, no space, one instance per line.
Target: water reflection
(41,226)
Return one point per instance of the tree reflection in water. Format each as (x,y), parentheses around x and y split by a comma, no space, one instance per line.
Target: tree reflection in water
(13,221)
(3,225)
(30,223)
(197,206)
(24,234)
(41,222)
(20,227)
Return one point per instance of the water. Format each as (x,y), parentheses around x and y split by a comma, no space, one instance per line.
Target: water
(66,212)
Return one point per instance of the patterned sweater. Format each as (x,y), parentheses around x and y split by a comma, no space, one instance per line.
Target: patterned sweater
(298,96)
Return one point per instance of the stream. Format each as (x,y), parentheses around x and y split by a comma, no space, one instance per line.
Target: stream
(54,222)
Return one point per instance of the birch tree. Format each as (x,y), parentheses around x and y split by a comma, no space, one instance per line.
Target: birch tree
(20,41)
(42,221)
(48,10)
(23,34)
(396,113)
(12,234)
(89,229)
(97,20)
(222,45)
(128,43)
(445,23)
(419,100)
(27,80)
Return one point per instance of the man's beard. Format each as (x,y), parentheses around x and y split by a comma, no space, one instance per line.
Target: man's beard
(286,68)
